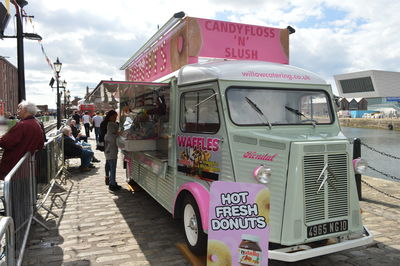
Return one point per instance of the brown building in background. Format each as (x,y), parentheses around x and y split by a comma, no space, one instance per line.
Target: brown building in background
(8,86)
(353,104)
(74,102)
(43,108)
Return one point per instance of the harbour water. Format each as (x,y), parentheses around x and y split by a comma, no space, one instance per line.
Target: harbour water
(387,141)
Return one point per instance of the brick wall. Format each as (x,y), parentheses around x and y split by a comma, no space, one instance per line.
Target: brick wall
(8,85)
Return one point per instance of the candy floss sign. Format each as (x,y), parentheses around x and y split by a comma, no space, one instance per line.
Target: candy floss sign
(238,230)
(196,38)
(241,41)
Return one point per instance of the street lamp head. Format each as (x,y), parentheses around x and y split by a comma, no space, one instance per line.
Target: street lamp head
(32,36)
(22,3)
(179,14)
(64,84)
(51,82)
(57,66)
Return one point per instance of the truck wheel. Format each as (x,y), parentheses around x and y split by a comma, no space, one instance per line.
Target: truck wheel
(195,237)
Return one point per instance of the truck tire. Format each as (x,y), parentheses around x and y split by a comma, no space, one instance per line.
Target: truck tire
(195,237)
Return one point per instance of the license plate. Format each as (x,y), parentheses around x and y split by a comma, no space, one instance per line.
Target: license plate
(327,228)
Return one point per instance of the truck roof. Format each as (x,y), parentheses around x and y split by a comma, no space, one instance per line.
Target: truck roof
(243,70)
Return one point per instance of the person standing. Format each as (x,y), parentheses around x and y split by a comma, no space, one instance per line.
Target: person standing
(26,135)
(96,120)
(77,119)
(100,146)
(111,151)
(86,123)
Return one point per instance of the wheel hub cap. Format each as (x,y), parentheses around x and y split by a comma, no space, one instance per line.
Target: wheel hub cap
(192,223)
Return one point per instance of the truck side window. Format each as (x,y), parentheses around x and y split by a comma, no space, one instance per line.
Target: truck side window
(199,112)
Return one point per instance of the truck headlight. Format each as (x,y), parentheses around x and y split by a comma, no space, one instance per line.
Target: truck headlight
(262,174)
(360,165)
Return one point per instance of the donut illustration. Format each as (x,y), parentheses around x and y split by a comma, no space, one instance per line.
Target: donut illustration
(284,37)
(195,38)
(185,42)
(263,203)
(218,254)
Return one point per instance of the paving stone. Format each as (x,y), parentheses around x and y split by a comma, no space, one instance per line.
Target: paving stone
(135,263)
(94,253)
(112,258)
(128,248)
(110,244)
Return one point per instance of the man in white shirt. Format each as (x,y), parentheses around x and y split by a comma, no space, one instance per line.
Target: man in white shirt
(96,120)
(86,122)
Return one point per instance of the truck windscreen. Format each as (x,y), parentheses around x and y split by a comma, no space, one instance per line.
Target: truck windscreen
(281,106)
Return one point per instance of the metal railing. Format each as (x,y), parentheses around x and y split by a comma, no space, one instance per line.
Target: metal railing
(19,202)
(33,175)
(48,166)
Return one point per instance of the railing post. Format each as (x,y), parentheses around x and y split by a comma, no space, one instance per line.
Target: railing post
(33,184)
(357,154)
(7,230)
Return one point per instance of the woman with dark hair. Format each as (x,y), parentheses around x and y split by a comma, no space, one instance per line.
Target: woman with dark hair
(103,131)
(111,151)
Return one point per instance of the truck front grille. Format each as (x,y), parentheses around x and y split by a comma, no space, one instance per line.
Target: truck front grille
(338,201)
(330,201)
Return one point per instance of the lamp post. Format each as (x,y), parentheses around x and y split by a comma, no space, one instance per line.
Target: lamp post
(64,85)
(20,51)
(57,68)
(68,94)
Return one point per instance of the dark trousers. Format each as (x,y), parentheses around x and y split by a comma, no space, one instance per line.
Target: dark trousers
(112,164)
(86,158)
(97,133)
(107,168)
(87,129)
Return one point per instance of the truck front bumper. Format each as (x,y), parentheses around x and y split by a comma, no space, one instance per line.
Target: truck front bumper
(304,251)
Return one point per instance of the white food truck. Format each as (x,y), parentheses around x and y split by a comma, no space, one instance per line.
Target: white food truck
(241,121)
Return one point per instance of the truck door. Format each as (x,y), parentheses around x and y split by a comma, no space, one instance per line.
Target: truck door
(200,134)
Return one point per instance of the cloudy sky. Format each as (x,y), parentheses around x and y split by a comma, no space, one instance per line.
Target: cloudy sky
(93,39)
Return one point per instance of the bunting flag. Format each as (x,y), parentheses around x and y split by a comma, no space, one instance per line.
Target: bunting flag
(8,6)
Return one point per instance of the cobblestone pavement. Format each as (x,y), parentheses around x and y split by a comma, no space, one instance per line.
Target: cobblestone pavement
(97,227)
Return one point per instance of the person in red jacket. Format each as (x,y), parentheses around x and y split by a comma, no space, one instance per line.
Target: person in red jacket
(26,135)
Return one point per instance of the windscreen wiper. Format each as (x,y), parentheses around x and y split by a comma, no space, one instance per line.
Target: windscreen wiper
(259,112)
(297,112)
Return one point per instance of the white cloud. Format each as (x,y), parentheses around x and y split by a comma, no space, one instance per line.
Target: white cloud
(94,38)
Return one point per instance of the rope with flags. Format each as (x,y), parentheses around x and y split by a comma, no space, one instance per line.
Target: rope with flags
(29,18)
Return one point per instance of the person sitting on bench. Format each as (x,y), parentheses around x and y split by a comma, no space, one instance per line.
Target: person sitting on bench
(74,150)
(81,139)
(76,132)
